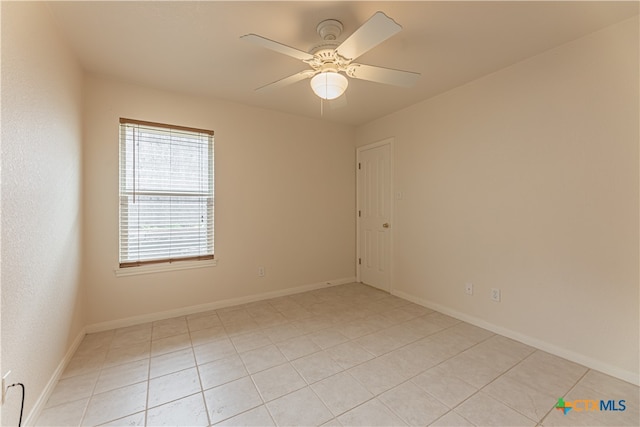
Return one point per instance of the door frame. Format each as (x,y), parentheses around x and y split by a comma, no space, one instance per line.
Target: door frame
(390,142)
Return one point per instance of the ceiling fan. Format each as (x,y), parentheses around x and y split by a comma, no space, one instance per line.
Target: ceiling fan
(330,61)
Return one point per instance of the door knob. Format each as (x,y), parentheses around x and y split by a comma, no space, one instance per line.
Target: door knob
(385,225)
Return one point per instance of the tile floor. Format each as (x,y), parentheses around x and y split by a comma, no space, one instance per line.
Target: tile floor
(347,355)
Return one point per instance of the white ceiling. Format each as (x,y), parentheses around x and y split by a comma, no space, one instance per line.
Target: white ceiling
(194,47)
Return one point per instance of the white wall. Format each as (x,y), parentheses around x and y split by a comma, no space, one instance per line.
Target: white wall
(42,297)
(527,180)
(285,197)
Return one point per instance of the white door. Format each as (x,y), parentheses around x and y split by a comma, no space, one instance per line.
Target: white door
(374,215)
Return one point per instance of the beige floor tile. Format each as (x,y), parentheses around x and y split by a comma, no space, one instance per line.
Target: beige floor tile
(300,408)
(240,315)
(441,319)
(349,354)
(402,334)
(327,338)
(66,414)
(277,381)
(84,364)
(297,347)
(132,335)
(258,308)
(341,392)
(314,323)
(528,401)
(483,410)
(256,417)
(379,343)
(203,322)
(170,344)
(169,327)
(122,375)
(413,405)
(547,373)
(610,386)
(422,326)
(262,358)
(557,418)
(332,423)
(171,362)
(316,366)
(115,404)
(188,411)
(221,371)
(266,320)
(204,336)
(231,399)
(129,421)
(131,353)
(450,342)
(509,347)
(451,419)
(73,388)
(444,386)
(407,363)
(399,315)
(416,309)
(371,413)
(473,371)
(213,351)
(471,332)
(241,327)
(377,375)
(357,328)
(379,322)
(293,314)
(250,341)
(431,352)
(281,333)
(96,341)
(173,386)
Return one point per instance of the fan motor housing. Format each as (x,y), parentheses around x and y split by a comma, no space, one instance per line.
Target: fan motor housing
(329,29)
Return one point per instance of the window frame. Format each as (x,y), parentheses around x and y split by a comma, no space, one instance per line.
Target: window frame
(124,268)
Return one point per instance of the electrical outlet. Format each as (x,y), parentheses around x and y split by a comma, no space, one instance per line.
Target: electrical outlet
(468,288)
(261,272)
(495,294)
(4,385)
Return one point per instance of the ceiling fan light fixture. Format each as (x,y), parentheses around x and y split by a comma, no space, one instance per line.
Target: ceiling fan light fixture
(329,84)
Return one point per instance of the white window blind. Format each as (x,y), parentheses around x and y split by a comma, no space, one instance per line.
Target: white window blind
(166,193)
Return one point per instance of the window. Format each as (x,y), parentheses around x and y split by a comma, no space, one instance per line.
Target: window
(166,193)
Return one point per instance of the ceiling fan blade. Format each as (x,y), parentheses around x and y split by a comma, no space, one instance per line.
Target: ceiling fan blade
(278,47)
(373,32)
(383,75)
(287,80)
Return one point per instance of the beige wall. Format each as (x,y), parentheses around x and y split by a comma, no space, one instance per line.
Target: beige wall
(284,200)
(527,180)
(42,297)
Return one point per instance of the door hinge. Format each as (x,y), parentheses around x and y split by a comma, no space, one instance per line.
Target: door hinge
(359,165)
(359,261)
(359,213)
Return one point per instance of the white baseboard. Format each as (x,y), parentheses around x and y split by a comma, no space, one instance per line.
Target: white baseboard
(183,311)
(51,384)
(589,362)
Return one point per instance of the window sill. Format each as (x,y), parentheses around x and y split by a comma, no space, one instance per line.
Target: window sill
(159,268)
